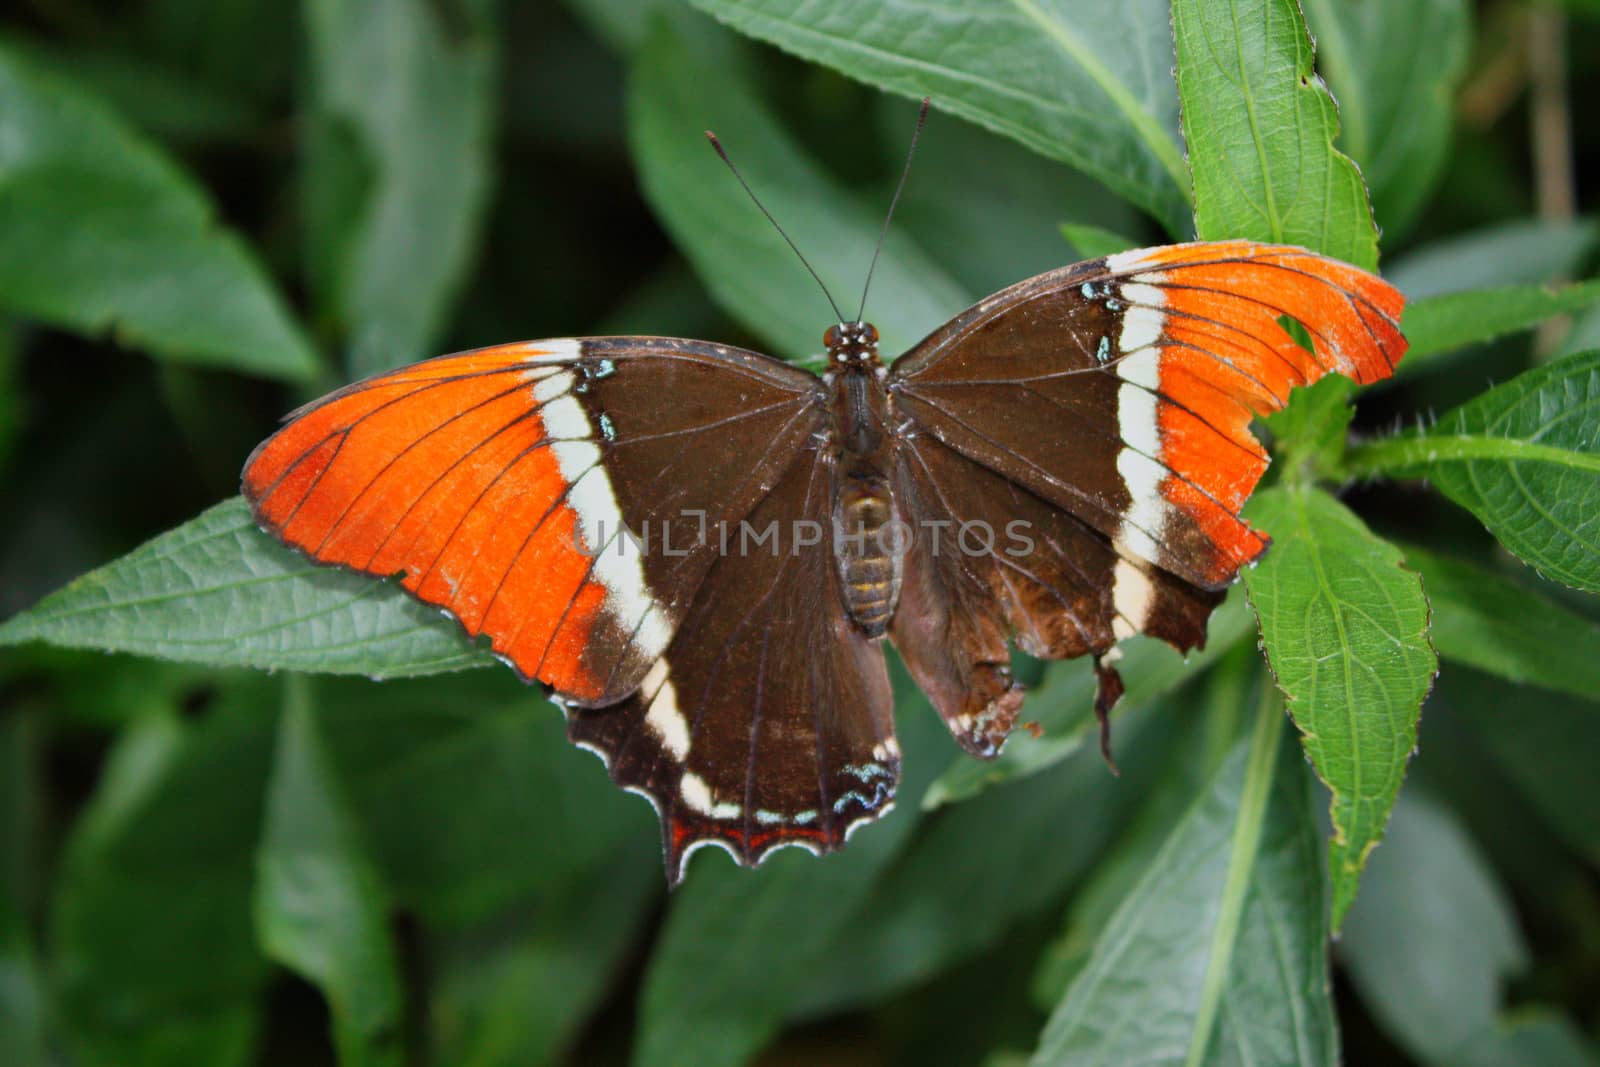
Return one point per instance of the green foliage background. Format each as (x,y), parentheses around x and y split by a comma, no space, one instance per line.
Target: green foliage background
(224,841)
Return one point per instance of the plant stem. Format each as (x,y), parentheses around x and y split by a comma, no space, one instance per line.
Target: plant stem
(1397,454)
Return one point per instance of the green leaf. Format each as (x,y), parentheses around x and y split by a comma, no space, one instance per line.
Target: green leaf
(986,865)
(1525,252)
(677,92)
(1486,620)
(164,103)
(104,233)
(1395,113)
(22,986)
(1260,127)
(217,590)
(1218,955)
(733,959)
(1525,459)
(1063,705)
(441,773)
(1084,82)
(417,97)
(1210,717)
(1095,241)
(517,991)
(985,208)
(1308,435)
(154,948)
(22,993)
(1547,747)
(321,909)
(1432,940)
(1450,321)
(1345,629)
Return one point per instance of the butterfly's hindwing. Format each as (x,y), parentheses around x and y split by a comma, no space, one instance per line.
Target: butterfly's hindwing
(769,720)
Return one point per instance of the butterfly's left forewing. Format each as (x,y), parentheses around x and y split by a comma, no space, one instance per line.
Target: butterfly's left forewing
(549,495)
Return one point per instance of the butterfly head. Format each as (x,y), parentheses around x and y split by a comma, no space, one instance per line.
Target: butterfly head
(852,343)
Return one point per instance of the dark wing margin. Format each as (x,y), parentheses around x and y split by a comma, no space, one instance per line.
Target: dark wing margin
(1106,408)
(768,722)
(548,495)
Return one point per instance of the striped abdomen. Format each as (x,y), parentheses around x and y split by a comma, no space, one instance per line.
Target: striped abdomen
(869,555)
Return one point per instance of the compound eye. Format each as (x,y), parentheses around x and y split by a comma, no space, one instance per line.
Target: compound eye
(869,334)
(831,338)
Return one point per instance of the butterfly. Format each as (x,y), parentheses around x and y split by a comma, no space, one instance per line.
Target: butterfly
(700,549)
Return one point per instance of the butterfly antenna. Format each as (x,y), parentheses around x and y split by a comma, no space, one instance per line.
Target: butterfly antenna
(922,118)
(757,201)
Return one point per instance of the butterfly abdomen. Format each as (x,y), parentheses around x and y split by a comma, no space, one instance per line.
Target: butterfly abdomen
(866,546)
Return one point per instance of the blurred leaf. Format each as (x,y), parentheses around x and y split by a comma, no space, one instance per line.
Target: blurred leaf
(678,92)
(1584,335)
(1524,457)
(10,394)
(1490,622)
(1084,82)
(1093,242)
(1526,252)
(156,960)
(319,902)
(624,24)
(1395,113)
(1308,435)
(244,47)
(734,958)
(468,794)
(417,96)
(1548,747)
(105,233)
(515,994)
(22,993)
(22,989)
(1063,704)
(217,590)
(1454,320)
(1345,630)
(1218,954)
(981,867)
(1431,941)
(1259,125)
(161,102)
(986,209)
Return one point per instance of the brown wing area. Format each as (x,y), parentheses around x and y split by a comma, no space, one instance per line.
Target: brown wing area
(991,561)
(1122,389)
(523,489)
(768,721)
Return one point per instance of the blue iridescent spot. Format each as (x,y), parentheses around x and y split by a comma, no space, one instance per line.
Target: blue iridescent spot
(606,428)
(1103,353)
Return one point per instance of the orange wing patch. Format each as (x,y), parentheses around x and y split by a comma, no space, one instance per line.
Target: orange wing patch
(1202,332)
(447,472)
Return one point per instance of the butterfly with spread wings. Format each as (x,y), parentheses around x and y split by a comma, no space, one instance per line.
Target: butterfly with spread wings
(700,549)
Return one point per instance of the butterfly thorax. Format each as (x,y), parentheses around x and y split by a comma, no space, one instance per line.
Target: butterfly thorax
(866,539)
